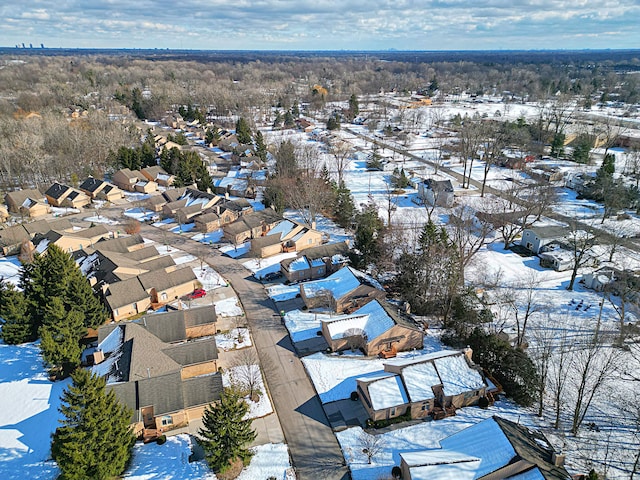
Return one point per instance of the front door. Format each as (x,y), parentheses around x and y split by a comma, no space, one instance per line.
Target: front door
(147,417)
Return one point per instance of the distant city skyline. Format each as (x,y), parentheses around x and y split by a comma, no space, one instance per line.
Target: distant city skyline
(323,25)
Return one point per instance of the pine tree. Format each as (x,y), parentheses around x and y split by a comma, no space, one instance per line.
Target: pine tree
(17,326)
(345,208)
(243,131)
(368,237)
(95,439)
(225,434)
(80,297)
(60,335)
(261,147)
(354,108)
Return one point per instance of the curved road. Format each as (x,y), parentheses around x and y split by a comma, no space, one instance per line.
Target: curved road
(315,452)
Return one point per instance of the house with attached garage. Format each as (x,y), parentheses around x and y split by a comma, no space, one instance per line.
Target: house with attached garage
(434,385)
(158,175)
(376,328)
(133,181)
(316,262)
(101,190)
(70,241)
(343,291)
(11,238)
(28,203)
(286,236)
(251,225)
(493,449)
(59,195)
(535,238)
(167,381)
(436,192)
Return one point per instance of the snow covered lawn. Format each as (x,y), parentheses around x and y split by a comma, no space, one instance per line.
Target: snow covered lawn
(208,238)
(10,268)
(280,293)
(101,219)
(28,414)
(234,339)
(228,307)
(209,278)
(302,325)
(140,214)
(243,373)
(236,251)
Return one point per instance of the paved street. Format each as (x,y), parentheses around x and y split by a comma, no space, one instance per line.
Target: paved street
(314,449)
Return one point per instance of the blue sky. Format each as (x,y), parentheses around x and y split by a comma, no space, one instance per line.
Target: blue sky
(322,24)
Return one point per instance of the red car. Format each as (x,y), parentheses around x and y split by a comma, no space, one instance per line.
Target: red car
(197,293)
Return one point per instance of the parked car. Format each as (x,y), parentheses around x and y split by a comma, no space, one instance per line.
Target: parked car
(271,276)
(197,293)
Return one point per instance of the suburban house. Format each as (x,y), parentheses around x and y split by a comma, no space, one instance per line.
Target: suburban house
(180,325)
(167,382)
(251,225)
(126,298)
(493,449)
(436,192)
(133,181)
(186,203)
(436,384)
(343,291)
(101,190)
(165,287)
(315,262)
(156,202)
(59,195)
(535,238)
(70,241)
(11,238)
(377,328)
(122,244)
(158,175)
(558,259)
(208,222)
(286,236)
(29,203)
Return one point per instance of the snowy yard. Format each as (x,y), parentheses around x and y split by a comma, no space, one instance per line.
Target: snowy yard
(280,293)
(233,339)
(242,375)
(229,307)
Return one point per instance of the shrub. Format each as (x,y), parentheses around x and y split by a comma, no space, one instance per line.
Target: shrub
(354,396)
(396,472)
(161,439)
(483,402)
(132,227)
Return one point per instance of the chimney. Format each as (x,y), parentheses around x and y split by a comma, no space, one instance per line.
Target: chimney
(468,353)
(314,225)
(98,357)
(557,459)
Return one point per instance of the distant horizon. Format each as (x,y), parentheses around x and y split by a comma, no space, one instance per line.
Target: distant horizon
(309,25)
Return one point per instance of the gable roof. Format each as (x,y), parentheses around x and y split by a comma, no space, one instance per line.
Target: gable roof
(120,244)
(126,292)
(386,391)
(339,283)
(161,280)
(551,231)
(18,197)
(172,326)
(57,190)
(91,184)
(438,185)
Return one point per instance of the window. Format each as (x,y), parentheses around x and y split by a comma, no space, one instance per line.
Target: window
(167,420)
(321,271)
(115,312)
(310,241)
(164,296)
(393,411)
(425,405)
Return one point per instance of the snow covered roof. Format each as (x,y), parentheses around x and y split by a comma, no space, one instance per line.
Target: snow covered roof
(456,375)
(339,283)
(112,347)
(282,228)
(419,379)
(371,321)
(484,440)
(441,465)
(299,264)
(386,391)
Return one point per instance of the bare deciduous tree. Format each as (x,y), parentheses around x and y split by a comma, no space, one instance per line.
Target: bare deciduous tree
(371,445)
(244,372)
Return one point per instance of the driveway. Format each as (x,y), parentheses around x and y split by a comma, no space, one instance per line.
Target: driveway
(315,452)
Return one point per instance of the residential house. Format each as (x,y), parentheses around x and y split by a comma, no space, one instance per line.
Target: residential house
(286,236)
(158,175)
(599,279)
(11,238)
(251,225)
(315,262)
(343,291)
(383,396)
(155,203)
(133,181)
(208,222)
(59,195)
(535,238)
(376,328)
(559,259)
(126,298)
(436,192)
(165,287)
(179,325)
(122,244)
(28,202)
(438,383)
(167,383)
(101,190)
(493,449)
(70,241)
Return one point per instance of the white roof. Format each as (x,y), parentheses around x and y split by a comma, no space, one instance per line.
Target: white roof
(457,377)
(372,320)
(419,379)
(484,440)
(111,346)
(404,361)
(298,264)
(386,392)
(441,465)
(282,228)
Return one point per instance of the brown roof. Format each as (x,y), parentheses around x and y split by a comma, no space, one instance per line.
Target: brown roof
(161,280)
(124,293)
(19,196)
(120,244)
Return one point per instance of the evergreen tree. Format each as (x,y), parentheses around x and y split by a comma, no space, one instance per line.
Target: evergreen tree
(295,109)
(368,237)
(243,131)
(80,297)
(225,434)
(334,122)
(261,147)
(289,121)
(277,122)
(354,108)
(345,208)
(17,326)
(557,145)
(95,439)
(273,196)
(60,336)
(286,162)
(399,179)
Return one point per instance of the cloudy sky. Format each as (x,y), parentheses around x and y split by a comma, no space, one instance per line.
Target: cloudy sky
(322,24)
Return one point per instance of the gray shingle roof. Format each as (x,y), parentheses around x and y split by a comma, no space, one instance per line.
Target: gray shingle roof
(194,351)
(120,245)
(124,293)
(161,280)
(202,390)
